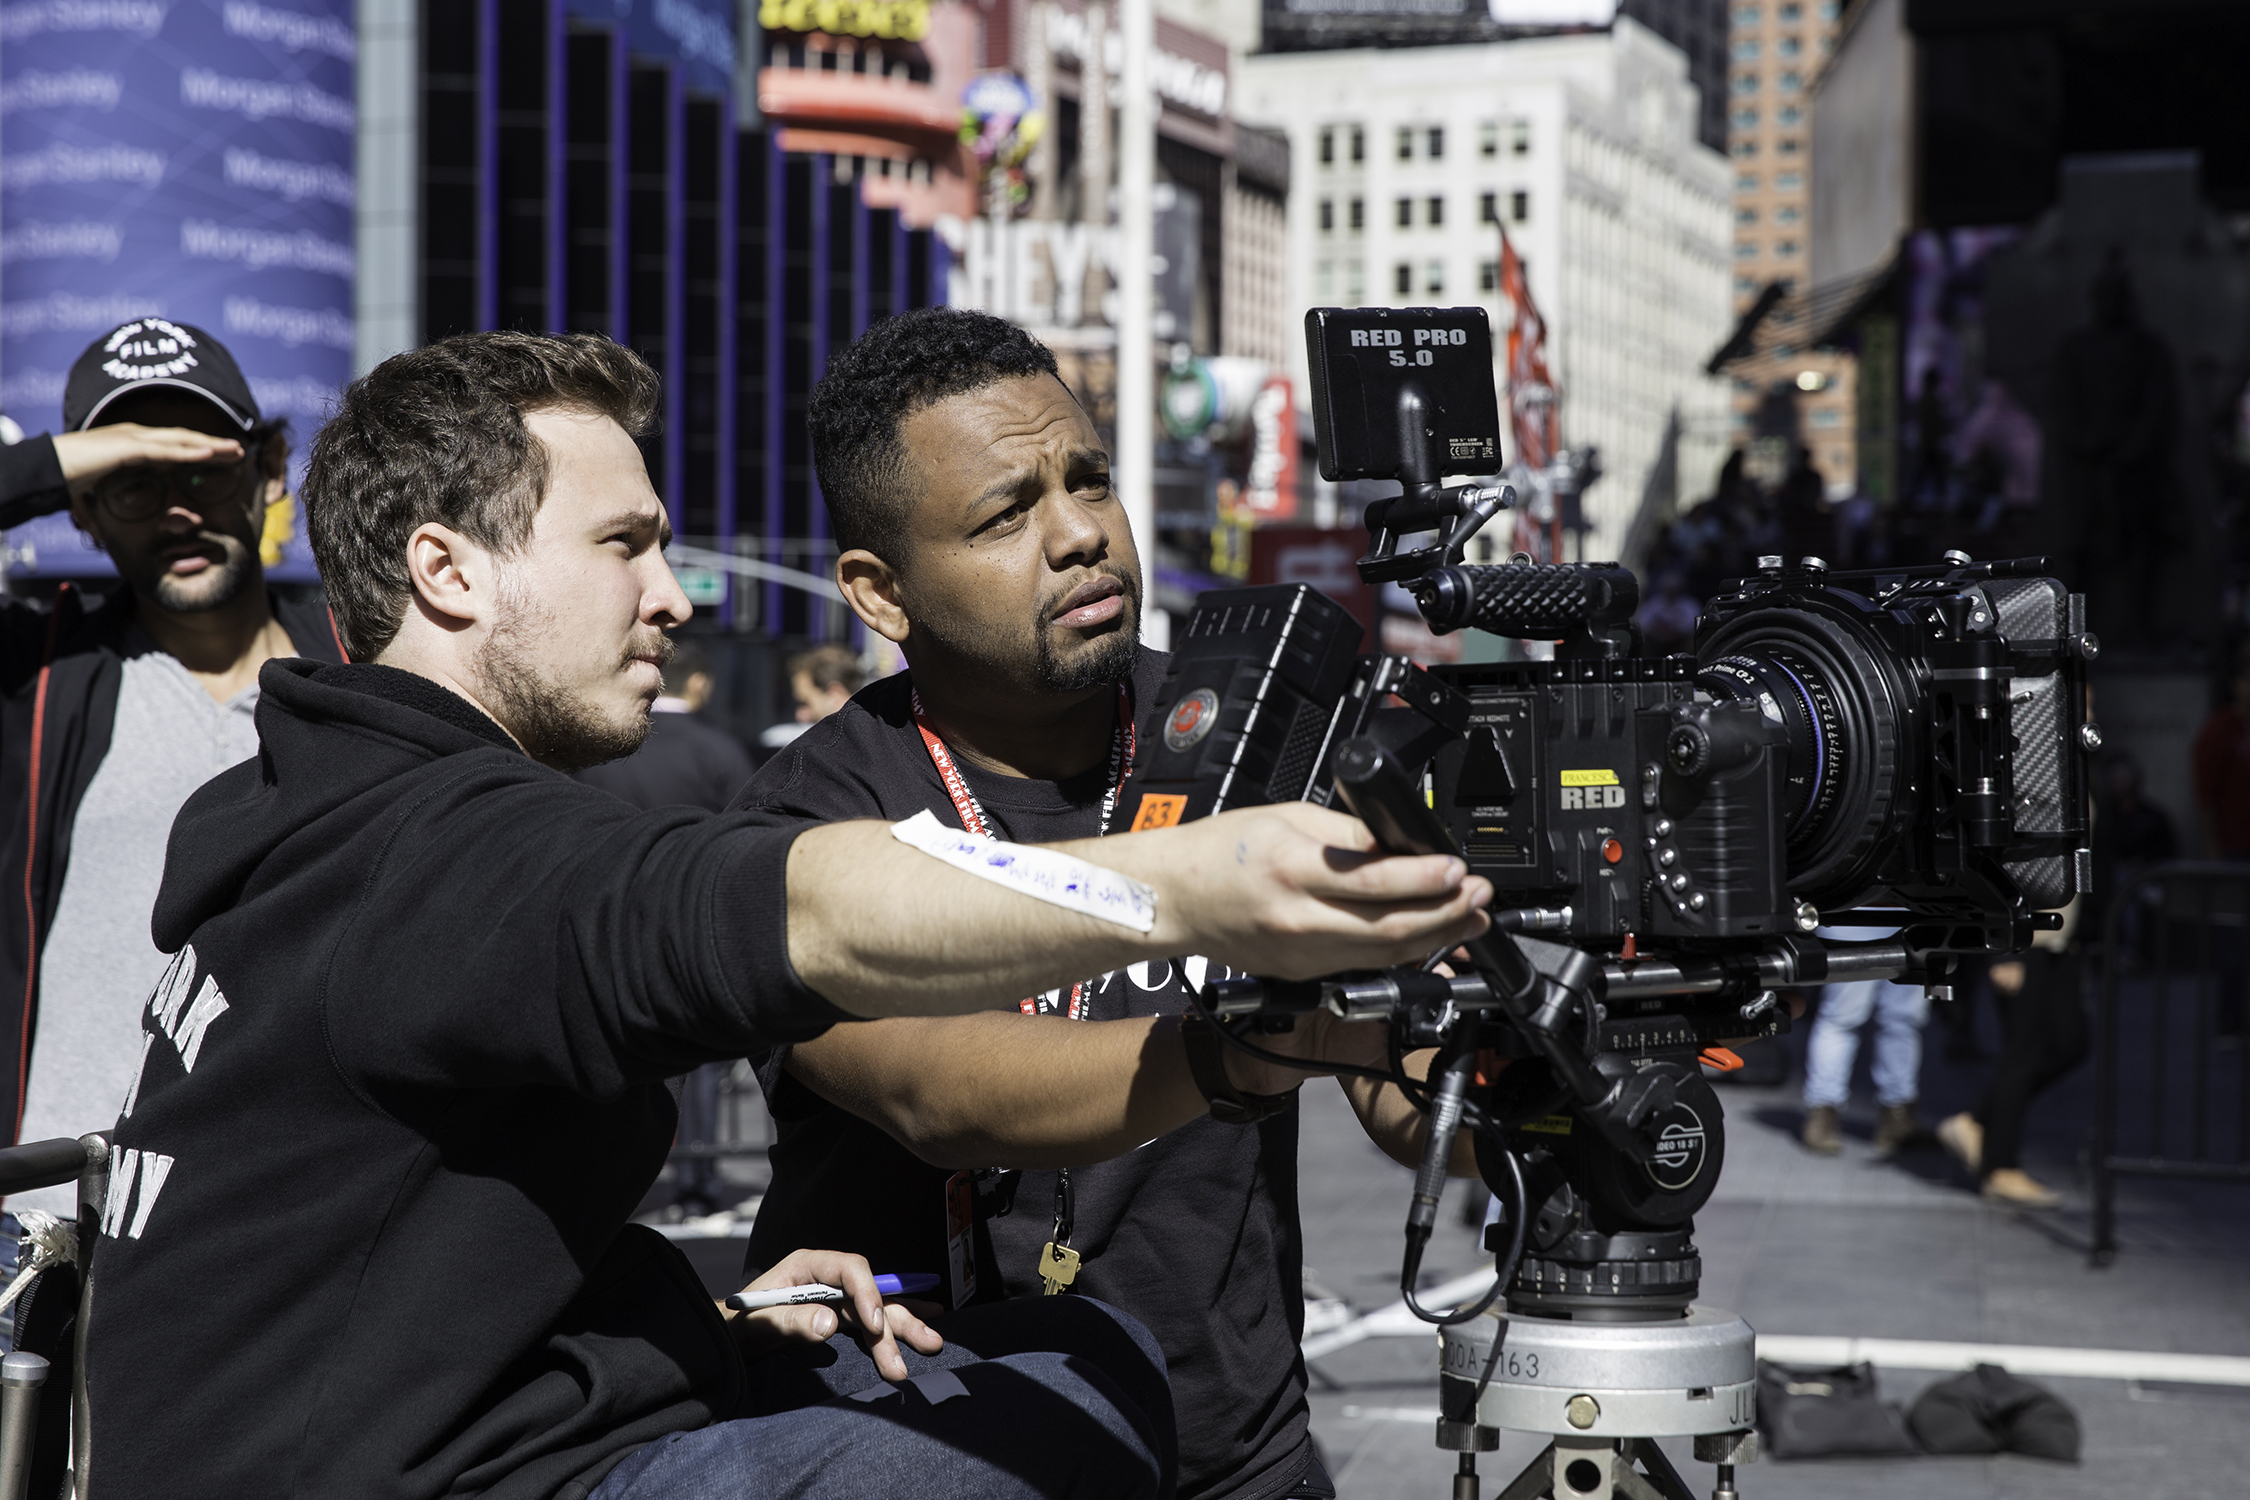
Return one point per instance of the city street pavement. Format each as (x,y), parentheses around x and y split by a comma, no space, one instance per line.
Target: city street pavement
(1803,1245)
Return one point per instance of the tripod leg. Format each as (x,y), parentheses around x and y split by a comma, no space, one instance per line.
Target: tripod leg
(1536,1482)
(1663,1482)
(1630,1483)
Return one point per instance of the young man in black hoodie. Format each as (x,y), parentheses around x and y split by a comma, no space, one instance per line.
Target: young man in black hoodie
(115,709)
(972,496)
(367,1226)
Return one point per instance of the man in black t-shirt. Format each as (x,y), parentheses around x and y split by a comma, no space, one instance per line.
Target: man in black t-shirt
(972,496)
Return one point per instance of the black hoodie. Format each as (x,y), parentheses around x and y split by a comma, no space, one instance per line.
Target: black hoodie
(400,1091)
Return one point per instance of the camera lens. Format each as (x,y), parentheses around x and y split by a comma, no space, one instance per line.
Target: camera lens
(1835,691)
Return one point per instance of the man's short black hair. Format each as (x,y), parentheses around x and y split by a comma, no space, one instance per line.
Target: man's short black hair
(898,367)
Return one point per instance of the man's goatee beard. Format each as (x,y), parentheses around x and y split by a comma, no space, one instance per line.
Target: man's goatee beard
(1108,660)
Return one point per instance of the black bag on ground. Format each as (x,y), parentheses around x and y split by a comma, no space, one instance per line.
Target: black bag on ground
(1820,1413)
(1990,1411)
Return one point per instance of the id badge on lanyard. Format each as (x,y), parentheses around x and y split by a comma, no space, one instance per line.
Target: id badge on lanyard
(1058,1263)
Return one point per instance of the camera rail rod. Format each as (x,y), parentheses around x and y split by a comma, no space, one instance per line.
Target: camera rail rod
(1372,996)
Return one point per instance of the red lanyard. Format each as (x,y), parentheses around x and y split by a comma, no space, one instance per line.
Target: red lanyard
(972,814)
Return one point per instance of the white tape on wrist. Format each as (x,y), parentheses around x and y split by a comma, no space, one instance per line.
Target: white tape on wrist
(1044,874)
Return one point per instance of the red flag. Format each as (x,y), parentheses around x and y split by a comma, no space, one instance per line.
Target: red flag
(1532,400)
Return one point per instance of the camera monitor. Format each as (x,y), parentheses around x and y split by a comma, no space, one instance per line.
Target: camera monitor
(1403,392)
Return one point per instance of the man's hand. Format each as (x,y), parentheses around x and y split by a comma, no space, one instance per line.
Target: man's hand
(1319,1039)
(1295,891)
(91,456)
(878,1326)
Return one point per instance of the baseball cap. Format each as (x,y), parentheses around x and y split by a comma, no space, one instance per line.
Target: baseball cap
(152,351)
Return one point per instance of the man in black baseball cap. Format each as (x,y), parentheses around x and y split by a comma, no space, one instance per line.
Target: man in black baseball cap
(117,707)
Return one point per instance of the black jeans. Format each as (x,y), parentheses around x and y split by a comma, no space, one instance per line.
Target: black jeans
(1040,1398)
(2044,1034)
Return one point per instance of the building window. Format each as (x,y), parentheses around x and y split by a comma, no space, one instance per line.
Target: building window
(1789,46)
(1324,281)
(1746,83)
(1488,209)
(1519,137)
(1746,15)
(1746,251)
(1745,285)
(1403,211)
(1405,144)
(1355,283)
(1437,142)
(1327,215)
(1827,416)
(1746,119)
(1746,182)
(1746,50)
(1359,145)
(1488,276)
(1328,148)
(1787,116)
(1791,13)
(1788,182)
(1358,219)
(1488,138)
(1746,148)
(1403,279)
(1786,214)
(1786,147)
(1437,212)
(1828,10)
(1790,83)
(1433,278)
(1785,247)
(1519,206)
(1745,216)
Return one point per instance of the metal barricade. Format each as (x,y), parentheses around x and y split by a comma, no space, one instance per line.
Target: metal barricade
(28,1445)
(2174,1073)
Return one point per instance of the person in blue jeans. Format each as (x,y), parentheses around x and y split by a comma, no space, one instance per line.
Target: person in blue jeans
(1898,1012)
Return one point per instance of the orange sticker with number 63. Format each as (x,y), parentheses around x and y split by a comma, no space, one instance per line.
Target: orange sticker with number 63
(1159,810)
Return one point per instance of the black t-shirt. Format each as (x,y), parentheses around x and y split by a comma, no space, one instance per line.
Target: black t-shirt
(1195,1233)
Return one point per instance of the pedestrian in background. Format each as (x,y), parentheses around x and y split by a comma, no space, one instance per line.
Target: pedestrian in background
(822,681)
(2044,1035)
(2221,760)
(686,760)
(1898,1012)
(117,707)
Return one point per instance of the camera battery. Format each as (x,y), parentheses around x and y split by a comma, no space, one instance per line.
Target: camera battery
(1246,707)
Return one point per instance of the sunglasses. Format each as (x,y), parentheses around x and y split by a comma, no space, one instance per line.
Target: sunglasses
(146,491)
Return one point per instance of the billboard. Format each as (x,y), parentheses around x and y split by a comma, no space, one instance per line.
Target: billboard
(1311,25)
(698,35)
(188,159)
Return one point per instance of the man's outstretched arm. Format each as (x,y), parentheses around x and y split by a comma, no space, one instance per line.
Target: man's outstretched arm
(1040,1091)
(1291,890)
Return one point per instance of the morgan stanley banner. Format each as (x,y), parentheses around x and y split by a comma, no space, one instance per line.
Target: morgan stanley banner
(188,159)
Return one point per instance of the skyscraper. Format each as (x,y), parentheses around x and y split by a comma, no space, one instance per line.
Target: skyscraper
(1699,29)
(1777,47)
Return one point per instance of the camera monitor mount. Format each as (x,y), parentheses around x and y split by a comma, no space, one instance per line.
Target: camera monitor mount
(1406,393)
